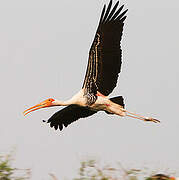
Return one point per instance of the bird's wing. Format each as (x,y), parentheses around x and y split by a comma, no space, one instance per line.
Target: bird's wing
(104,61)
(68,115)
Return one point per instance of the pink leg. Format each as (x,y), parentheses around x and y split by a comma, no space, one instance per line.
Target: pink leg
(137,116)
(99,94)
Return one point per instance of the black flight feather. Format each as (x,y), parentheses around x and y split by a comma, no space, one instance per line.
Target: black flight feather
(112,12)
(117,13)
(105,55)
(107,11)
(102,14)
(68,115)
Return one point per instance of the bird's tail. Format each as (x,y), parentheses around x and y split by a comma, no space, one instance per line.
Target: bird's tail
(118,100)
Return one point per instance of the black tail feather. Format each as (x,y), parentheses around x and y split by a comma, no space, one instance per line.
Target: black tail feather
(118,100)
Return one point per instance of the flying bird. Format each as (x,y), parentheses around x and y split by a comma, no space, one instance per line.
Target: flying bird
(104,66)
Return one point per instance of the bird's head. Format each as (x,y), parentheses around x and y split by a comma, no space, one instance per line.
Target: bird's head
(47,103)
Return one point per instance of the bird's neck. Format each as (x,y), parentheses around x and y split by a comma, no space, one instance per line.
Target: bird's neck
(62,103)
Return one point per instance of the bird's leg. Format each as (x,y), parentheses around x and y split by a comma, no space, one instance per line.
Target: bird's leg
(137,116)
(99,94)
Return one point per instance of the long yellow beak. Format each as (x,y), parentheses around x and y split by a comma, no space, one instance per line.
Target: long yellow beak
(46,103)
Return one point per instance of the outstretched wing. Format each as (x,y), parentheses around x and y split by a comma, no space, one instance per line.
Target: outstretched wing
(104,61)
(68,115)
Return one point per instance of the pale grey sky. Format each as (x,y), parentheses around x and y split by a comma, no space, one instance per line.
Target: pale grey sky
(43,53)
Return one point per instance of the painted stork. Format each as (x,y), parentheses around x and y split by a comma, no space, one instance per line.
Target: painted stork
(104,65)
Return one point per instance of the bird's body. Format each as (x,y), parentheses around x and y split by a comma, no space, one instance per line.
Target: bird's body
(102,103)
(104,66)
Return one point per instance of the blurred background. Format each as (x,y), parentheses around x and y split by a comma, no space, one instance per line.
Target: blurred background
(44,48)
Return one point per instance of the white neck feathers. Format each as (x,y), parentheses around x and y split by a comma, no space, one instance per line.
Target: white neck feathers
(62,103)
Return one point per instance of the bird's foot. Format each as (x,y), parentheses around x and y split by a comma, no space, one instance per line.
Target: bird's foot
(151,119)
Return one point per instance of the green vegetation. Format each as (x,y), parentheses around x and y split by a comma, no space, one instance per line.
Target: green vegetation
(89,170)
(7,172)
